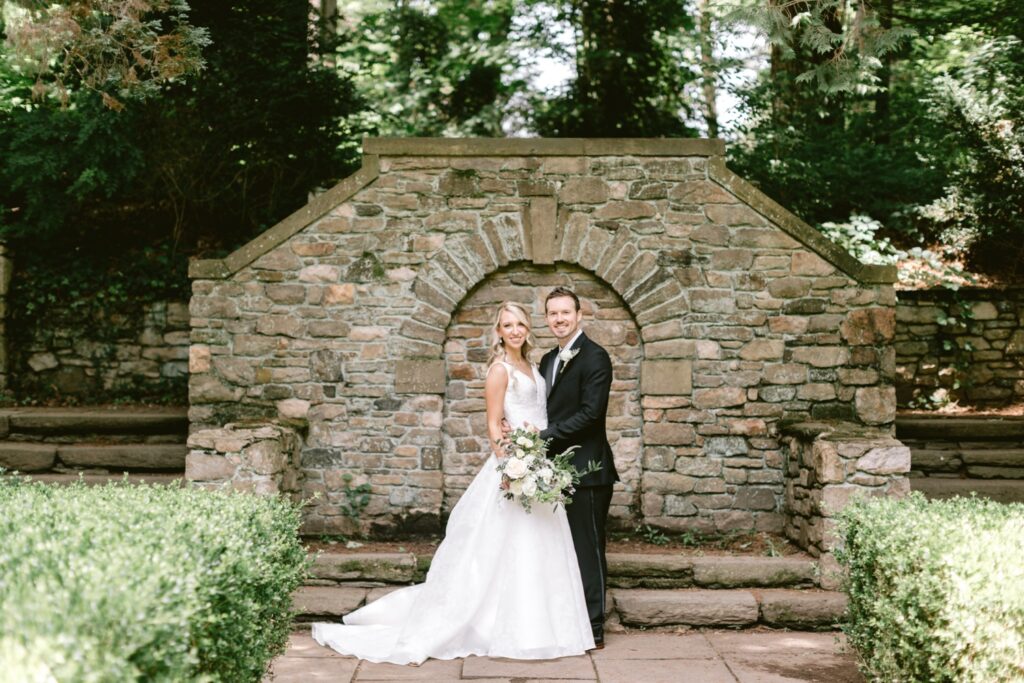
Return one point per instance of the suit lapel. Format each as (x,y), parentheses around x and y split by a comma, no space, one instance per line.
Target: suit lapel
(565,367)
(545,364)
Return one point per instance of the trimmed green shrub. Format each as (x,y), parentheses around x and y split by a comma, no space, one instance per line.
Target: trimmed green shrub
(936,589)
(153,583)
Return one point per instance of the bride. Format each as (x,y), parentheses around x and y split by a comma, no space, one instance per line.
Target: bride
(504,582)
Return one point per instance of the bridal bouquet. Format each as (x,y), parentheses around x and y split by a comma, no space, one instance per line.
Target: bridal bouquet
(529,476)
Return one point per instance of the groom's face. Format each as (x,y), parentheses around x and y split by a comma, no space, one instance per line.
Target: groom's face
(562,317)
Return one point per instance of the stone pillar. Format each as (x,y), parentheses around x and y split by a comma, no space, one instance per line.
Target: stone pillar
(827,465)
(260,458)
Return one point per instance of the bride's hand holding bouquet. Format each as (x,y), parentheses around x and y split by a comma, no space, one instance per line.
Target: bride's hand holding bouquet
(529,476)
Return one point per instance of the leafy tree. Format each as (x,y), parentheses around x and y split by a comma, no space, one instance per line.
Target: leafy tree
(631,76)
(440,68)
(834,45)
(206,163)
(103,206)
(910,114)
(119,48)
(979,106)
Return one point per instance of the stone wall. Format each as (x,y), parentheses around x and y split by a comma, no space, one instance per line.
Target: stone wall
(965,345)
(152,348)
(364,314)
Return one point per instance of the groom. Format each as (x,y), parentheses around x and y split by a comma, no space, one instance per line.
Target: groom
(579,376)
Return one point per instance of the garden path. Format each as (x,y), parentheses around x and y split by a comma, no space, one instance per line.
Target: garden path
(635,657)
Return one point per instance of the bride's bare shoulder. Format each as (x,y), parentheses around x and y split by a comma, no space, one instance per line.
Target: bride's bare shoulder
(498,370)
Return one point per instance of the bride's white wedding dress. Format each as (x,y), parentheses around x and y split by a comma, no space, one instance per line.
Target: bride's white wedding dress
(503,583)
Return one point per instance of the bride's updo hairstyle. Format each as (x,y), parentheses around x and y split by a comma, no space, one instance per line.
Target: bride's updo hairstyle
(497,348)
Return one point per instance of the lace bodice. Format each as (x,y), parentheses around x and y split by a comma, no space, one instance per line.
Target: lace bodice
(525,400)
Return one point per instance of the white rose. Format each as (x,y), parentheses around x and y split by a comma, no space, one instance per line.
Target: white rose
(529,486)
(545,474)
(524,442)
(516,488)
(529,460)
(520,452)
(567,354)
(515,468)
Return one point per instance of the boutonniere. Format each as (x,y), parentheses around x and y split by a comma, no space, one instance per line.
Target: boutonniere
(564,356)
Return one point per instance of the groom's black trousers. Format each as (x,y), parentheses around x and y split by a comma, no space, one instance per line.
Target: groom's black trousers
(587,515)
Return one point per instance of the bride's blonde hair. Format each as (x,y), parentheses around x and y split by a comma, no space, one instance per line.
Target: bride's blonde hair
(497,349)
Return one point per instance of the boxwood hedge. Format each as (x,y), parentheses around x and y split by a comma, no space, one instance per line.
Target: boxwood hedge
(936,589)
(153,583)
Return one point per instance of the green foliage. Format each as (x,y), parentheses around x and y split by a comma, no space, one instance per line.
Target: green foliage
(651,535)
(917,267)
(440,68)
(631,71)
(936,589)
(356,498)
(838,45)
(820,160)
(150,583)
(907,113)
(207,163)
(102,208)
(980,106)
(122,49)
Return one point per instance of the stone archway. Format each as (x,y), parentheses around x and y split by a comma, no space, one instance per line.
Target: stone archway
(606,319)
(341,313)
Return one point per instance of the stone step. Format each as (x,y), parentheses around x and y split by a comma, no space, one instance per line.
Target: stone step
(730,608)
(983,463)
(100,478)
(125,456)
(625,570)
(26,456)
(641,608)
(77,421)
(945,428)
(1001,491)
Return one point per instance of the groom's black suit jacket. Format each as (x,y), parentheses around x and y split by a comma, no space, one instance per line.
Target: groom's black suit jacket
(577,407)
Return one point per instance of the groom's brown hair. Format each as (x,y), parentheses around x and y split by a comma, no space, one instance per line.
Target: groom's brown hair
(559,292)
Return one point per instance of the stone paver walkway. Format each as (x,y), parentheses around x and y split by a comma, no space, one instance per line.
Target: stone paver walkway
(695,657)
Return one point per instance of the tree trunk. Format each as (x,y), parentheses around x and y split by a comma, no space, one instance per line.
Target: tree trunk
(885,12)
(707,67)
(792,97)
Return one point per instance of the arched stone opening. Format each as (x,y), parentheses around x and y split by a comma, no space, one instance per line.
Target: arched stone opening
(607,320)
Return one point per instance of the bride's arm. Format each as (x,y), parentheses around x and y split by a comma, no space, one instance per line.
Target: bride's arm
(494,393)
